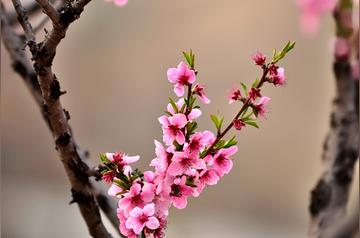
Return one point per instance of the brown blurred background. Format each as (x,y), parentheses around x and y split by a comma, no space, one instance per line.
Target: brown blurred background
(113,65)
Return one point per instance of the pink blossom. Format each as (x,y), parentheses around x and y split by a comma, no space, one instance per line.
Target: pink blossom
(198,141)
(121,158)
(172,128)
(137,197)
(207,177)
(159,232)
(238,124)
(234,95)
(278,77)
(182,163)
(142,217)
(181,76)
(310,13)
(161,162)
(199,90)
(260,106)
(180,192)
(259,58)
(108,176)
(119,3)
(254,93)
(222,162)
(342,48)
(129,233)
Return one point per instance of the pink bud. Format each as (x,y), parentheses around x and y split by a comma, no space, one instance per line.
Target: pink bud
(259,58)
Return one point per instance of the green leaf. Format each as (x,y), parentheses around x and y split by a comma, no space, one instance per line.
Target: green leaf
(104,159)
(190,58)
(142,235)
(255,83)
(277,56)
(121,184)
(173,104)
(230,142)
(187,57)
(217,122)
(191,127)
(244,87)
(251,122)
(220,144)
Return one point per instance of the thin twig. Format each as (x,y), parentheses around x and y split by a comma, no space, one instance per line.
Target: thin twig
(49,10)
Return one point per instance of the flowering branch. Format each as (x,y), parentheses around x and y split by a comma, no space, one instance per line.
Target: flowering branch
(330,196)
(190,160)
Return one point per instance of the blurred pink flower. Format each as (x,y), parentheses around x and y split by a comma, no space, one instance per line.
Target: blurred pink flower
(342,47)
(310,13)
(119,3)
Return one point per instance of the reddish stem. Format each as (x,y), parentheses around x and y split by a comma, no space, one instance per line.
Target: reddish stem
(242,109)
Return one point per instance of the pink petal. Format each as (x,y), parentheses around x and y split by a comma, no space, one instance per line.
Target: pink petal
(120,3)
(204,99)
(110,156)
(179,120)
(135,189)
(172,75)
(130,159)
(175,169)
(195,113)
(264,100)
(179,90)
(182,68)
(149,176)
(179,202)
(136,212)
(229,151)
(114,190)
(180,138)
(149,209)
(164,120)
(138,228)
(152,223)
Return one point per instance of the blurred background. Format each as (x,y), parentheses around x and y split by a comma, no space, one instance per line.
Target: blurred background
(113,65)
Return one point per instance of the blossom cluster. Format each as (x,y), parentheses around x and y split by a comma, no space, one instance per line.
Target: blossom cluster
(186,160)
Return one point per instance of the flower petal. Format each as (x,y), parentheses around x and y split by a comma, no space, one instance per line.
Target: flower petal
(153,223)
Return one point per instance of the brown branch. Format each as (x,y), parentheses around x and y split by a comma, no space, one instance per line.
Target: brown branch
(47,95)
(348,227)
(49,10)
(330,196)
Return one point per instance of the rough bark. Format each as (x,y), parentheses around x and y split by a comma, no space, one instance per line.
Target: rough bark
(330,196)
(45,89)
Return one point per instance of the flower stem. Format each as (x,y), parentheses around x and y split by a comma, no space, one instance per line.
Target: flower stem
(242,109)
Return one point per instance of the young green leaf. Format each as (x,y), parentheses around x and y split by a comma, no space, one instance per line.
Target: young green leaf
(104,159)
(230,142)
(244,87)
(173,104)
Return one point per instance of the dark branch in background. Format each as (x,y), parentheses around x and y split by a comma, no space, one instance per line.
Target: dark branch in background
(46,93)
(330,196)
